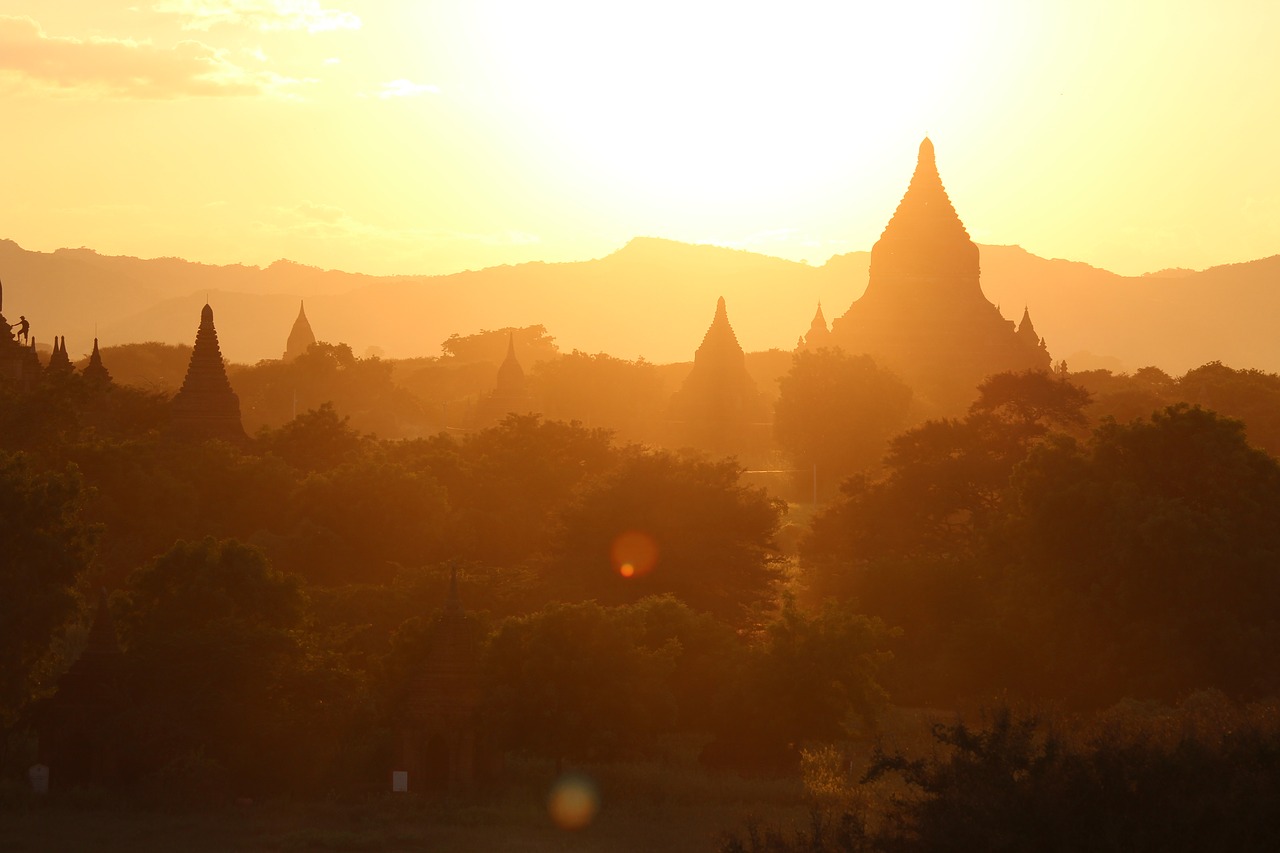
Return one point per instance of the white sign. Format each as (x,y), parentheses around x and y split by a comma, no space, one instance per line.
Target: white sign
(400,781)
(39,776)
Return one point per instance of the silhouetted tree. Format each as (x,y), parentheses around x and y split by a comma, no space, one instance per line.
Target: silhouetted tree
(208,632)
(576,681)
(44,544)
(661,522)
(600,390)
(837,411)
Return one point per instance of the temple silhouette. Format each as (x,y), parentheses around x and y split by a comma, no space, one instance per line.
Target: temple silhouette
(718,401)
(95,372)
(923,314)
(205,406)
(819,335)
(510,393)
(300,336)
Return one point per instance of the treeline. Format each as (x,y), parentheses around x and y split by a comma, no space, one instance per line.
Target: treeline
(271,598)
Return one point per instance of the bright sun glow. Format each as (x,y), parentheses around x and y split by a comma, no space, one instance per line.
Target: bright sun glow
(700,105)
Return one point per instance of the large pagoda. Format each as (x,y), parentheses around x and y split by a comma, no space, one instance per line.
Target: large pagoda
(205,406)
(923,313)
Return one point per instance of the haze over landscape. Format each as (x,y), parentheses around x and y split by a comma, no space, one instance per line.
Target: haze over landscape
(410,138)
(831,428)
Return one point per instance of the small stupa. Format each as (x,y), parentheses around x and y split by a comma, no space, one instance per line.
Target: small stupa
(819,335)
(59,361)
(205,406)
(300,336)
(718,398)
(95,371)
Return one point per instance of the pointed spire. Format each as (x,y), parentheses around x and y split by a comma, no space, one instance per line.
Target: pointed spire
(300,337)
(819,335)
(58,360)
(1027,331)
(95,371)
(205,406)
(720,340)
(925,236)
(510,374)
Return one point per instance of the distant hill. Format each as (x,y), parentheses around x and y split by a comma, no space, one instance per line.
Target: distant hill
(652,298)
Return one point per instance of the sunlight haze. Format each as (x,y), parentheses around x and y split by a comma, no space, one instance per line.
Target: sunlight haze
(409,137)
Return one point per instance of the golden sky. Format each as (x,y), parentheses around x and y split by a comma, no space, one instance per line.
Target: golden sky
(426,136)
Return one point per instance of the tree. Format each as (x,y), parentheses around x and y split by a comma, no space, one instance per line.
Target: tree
(1034,401)
(662,522)
(1144,562)
(577,681)
(836,411)
(533,344)
(624,396)
(316,440)
(46,545)
(507,484)
(207,631)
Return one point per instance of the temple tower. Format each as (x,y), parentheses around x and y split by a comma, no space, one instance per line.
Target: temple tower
(439,743)
(300,337)
(923,313)
(718,398)
(95,371)
(59,361)
(510,392)
(819,335)
(205,406)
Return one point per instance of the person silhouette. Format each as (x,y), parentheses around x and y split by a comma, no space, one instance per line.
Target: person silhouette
(24,328)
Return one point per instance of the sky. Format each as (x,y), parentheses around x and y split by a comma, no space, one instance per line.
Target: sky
(430,136)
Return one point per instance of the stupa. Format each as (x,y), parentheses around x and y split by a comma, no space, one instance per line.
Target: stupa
(95,371)
(300,336)
(205,406)
(923,314)
(718,399)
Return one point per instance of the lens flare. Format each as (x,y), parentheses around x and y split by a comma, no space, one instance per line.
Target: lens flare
(573,801)
(633,554)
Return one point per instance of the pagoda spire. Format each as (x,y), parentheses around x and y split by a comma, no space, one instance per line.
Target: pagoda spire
(300,337)
(95,371)
(205,406)
(1027,331)
(925,238)
(510,374)
(819,335)
(719,341)
(59,362)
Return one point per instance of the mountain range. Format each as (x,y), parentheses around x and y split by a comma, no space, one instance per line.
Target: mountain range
(652,298)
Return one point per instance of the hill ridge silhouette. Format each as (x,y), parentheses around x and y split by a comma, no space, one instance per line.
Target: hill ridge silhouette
(649,297)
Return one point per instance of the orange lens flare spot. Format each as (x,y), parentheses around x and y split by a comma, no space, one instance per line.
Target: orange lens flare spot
(633,554)
(573,801)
